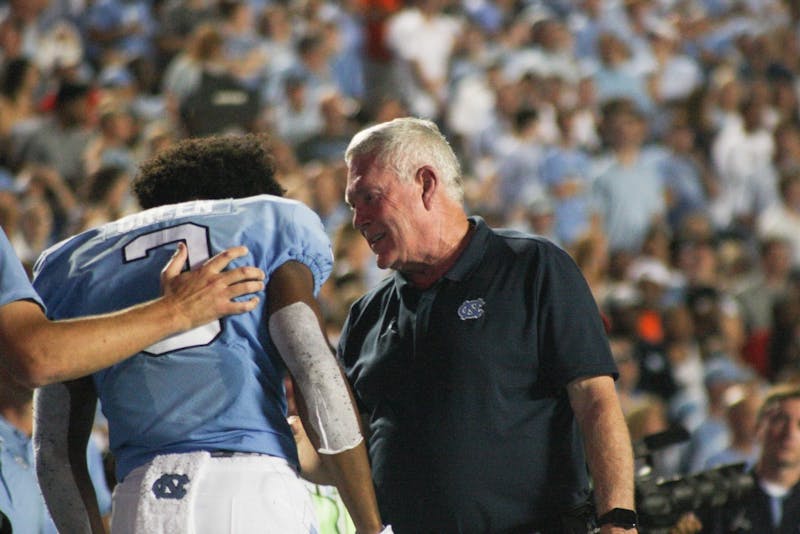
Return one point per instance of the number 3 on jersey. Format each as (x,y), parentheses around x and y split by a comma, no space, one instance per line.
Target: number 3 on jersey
(197,244)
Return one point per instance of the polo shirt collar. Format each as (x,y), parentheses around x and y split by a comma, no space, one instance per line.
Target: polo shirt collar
(473,254)
(468,261)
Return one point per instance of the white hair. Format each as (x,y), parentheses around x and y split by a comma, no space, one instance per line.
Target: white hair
(404,145)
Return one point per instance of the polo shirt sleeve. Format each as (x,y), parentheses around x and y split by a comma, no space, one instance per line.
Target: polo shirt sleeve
(574,340)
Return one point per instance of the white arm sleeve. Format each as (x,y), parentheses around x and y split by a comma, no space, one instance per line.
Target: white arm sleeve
(296,333)
(51,450)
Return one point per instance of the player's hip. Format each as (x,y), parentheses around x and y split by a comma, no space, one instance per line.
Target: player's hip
(199,493)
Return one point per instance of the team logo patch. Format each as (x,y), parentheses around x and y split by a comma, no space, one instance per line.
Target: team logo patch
(170,486)
(471,309)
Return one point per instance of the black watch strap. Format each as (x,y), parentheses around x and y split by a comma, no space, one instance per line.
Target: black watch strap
(619,517)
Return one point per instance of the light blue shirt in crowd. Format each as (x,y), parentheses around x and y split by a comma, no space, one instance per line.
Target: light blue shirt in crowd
(573,214)
(20,497)
(629,198)
(14,282)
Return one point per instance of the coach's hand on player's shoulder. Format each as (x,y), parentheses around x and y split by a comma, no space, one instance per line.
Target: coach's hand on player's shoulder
(206,293)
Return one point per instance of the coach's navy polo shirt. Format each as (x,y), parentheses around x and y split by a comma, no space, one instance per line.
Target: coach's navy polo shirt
(463,385)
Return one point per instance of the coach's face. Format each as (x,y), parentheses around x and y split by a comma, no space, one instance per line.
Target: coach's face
(387,212)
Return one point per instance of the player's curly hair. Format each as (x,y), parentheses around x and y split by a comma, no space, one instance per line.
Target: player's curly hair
(208,168)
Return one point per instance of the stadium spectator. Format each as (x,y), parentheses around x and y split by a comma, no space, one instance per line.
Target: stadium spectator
(782,219)
(59,141)
(742,404)
(566,174)
(422,39)
(627,170)
(772,505)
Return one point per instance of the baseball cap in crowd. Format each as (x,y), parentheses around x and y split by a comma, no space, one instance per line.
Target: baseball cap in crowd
(649,270)
(115,76)
(623,295)
(721,369)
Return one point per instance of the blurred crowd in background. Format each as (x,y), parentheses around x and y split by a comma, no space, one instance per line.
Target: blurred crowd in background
(657,141)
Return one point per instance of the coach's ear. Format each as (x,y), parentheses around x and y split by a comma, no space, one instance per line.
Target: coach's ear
(428,181)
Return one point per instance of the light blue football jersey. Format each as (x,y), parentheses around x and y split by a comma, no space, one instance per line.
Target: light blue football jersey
(217,387)
(14,283)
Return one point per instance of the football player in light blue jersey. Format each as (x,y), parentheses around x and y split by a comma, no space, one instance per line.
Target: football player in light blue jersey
(197,421)
(35,351)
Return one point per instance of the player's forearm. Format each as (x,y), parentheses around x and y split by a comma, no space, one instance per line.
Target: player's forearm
(350,472)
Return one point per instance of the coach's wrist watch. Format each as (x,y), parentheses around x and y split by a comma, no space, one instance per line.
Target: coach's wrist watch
(619,517)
